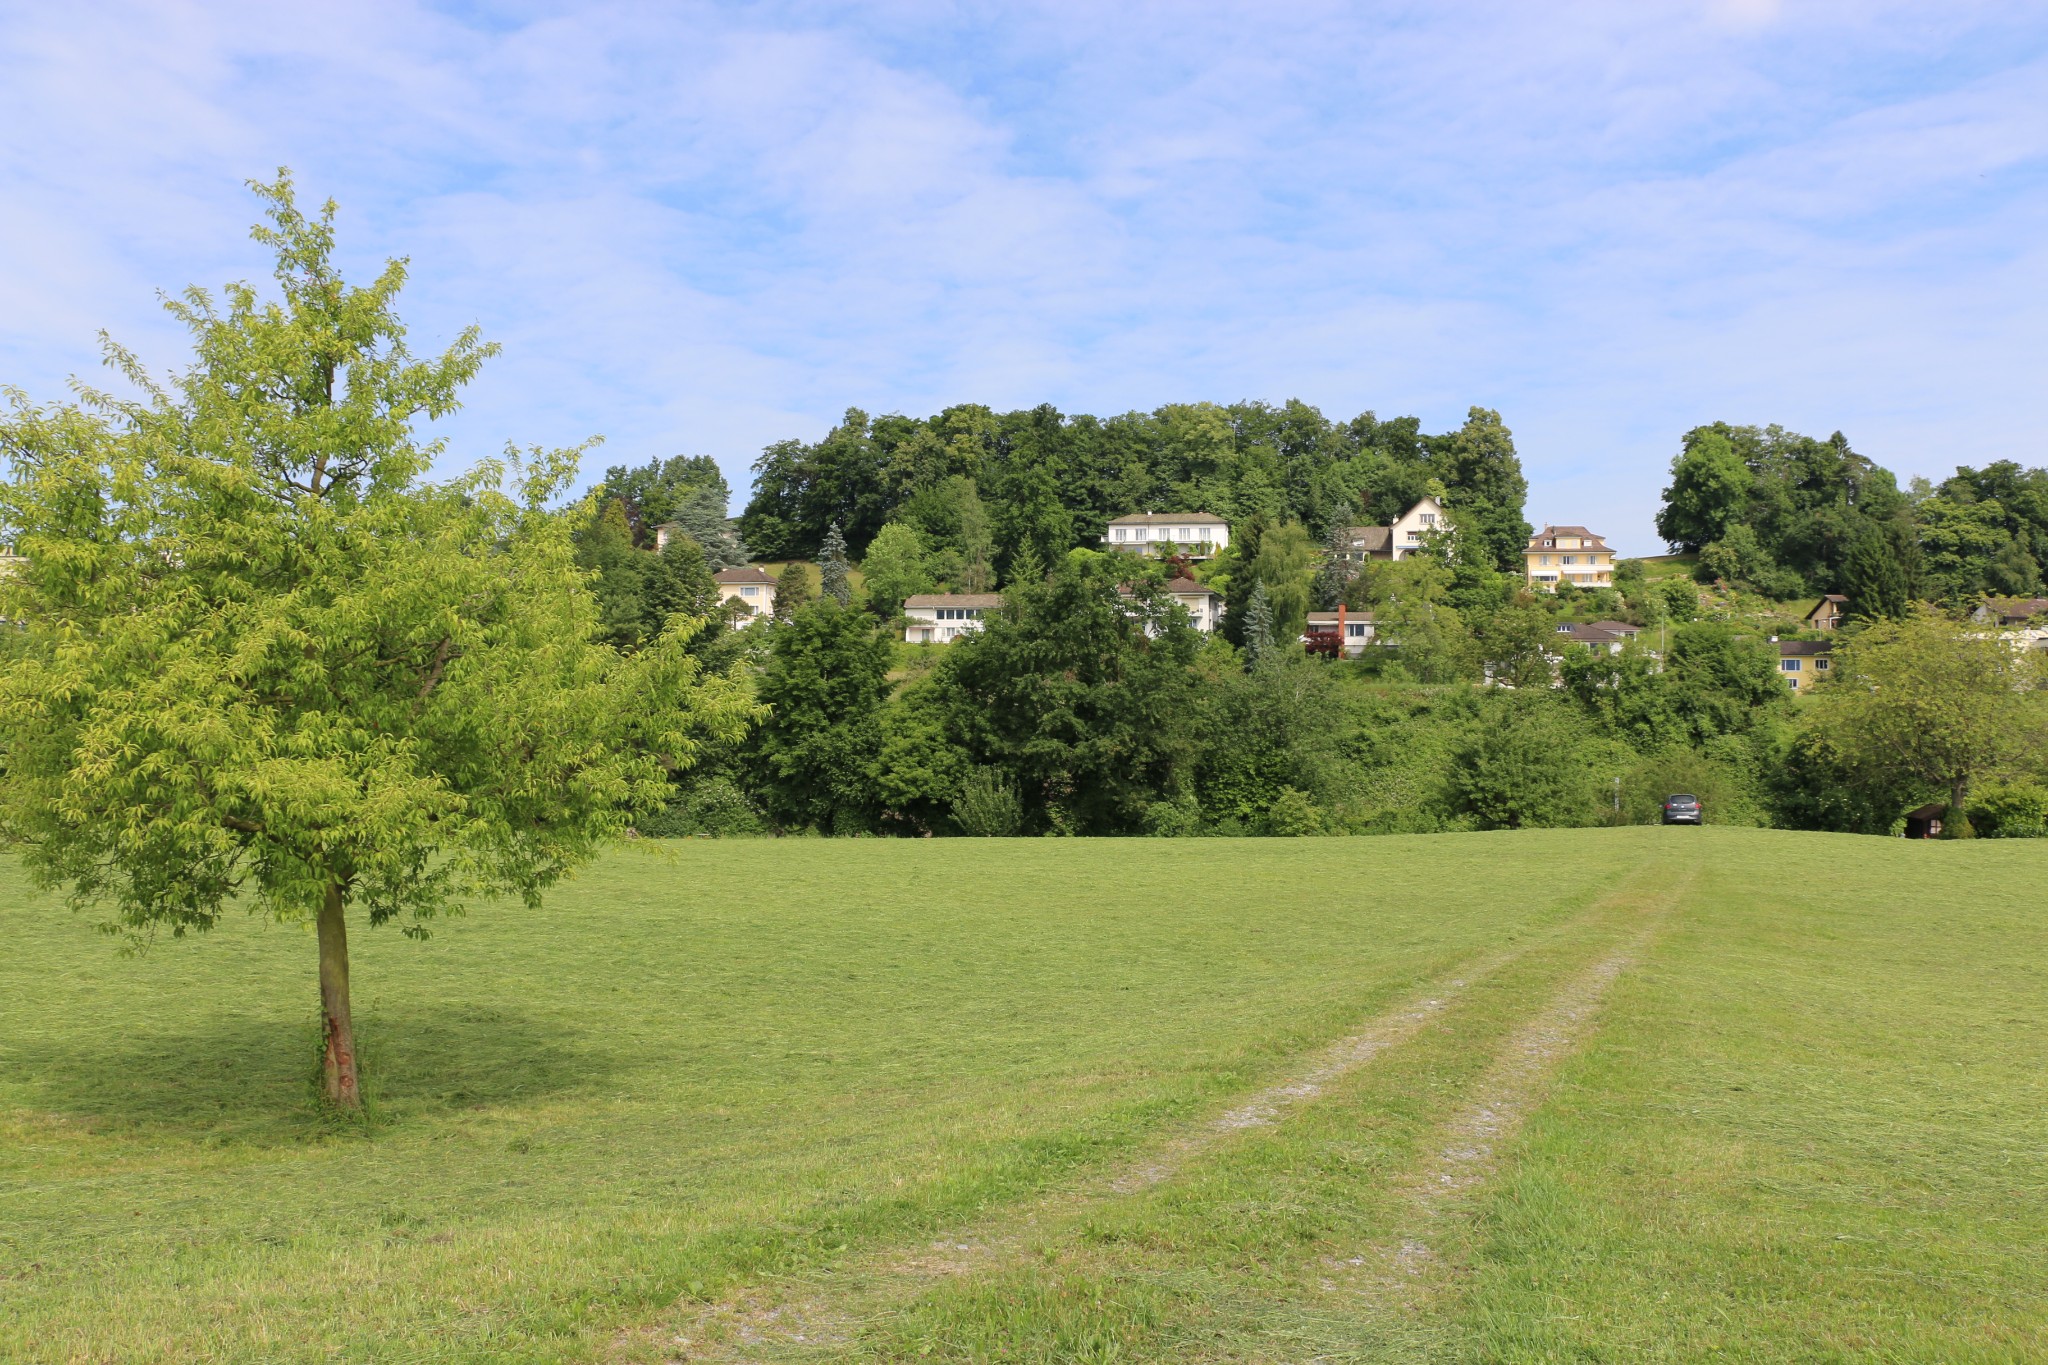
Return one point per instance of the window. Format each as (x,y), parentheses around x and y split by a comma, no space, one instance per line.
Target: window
(750,592)
(1119,533)
(1355,629)
(1789,665)
(1429,518)
(1820,665)
(1544,560)
(1187,533)
(1571,559)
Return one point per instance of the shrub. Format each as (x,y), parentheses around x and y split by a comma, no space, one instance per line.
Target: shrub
(988,806)
(714,807)
(2010,810)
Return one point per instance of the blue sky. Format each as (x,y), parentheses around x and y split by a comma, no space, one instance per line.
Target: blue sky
(701,228)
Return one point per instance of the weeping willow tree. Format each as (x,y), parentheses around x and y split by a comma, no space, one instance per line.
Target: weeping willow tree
(264,660)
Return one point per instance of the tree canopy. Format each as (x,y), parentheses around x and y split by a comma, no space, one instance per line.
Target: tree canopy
(263,657)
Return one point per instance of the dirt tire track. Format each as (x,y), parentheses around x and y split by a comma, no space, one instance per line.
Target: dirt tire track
(799,1315)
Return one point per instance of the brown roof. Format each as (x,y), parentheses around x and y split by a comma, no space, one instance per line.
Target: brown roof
(1551,533)
(746,573)
(2012,609)
(1619,627)
(954,599)
(1329,618)
(1804,649)
(1169,519)
(1369,538)
(1590,635)
(1186,585)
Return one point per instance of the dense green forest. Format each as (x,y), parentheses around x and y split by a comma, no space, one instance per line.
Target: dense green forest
(1789,516)
(1089,706)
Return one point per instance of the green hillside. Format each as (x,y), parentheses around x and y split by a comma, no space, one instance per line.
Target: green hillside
(1637,1093)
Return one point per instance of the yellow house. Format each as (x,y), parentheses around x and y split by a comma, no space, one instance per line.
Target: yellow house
(1568,554)
(1802,663)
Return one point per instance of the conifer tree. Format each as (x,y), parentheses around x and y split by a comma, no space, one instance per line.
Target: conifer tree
(833,568)
(1873,579)
(792,590)
(1258,629)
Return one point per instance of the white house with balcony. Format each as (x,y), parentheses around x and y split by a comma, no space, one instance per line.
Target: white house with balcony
(752,588)
(1194,534)
(939,618)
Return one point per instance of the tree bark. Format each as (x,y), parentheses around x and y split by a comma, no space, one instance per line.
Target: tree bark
(338,1058)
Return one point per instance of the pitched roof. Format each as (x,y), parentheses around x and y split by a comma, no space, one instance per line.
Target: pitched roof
(1169,519)
(1329,618)
(954,599)
(1546,538)
(1804,649)
(1186,586)
(746,573)
(1590,634)
(1368,538)
(2011,609)
(1619,627)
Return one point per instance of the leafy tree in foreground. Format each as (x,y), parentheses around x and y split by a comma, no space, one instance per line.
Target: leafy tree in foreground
(263,658)
(1925,703)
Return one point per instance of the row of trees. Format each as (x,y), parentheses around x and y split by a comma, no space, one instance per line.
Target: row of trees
(1789,516)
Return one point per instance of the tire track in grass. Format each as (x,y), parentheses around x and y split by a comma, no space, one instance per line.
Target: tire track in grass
(1465,1151)
(819,1315)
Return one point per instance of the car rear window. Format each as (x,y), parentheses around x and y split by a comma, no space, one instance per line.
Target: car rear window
(1683,800)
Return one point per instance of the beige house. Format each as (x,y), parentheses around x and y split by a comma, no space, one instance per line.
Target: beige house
(750,587)
(1356,625)
(1194,534)
(1568,554)
(1802,663)
(1204,605)
(1827,613)
(1404,537)
(939,618)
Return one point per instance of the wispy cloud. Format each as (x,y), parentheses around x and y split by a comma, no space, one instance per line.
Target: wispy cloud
(703,227)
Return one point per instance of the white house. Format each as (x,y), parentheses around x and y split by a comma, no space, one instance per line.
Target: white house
(939,618)
(1203,604)
(1402,538)
(1194,534)
(1358,627)
(750,587)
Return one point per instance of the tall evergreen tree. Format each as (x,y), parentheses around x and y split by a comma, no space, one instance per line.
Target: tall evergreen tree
(1873,580)
(792,590)
(1259,645)
(834,572)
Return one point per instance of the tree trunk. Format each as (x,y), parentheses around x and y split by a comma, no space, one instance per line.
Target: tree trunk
(338,1059)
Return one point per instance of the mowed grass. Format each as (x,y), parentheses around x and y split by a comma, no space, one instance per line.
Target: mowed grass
(1807,1123)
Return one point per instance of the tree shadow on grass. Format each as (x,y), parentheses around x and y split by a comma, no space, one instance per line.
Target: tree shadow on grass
(253,1080)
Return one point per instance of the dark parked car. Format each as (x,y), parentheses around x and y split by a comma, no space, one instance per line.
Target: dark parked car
(1682,810)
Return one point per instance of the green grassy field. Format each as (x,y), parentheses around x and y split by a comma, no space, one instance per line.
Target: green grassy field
(1632,1094)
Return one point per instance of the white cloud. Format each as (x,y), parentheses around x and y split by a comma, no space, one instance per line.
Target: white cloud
(703,228)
